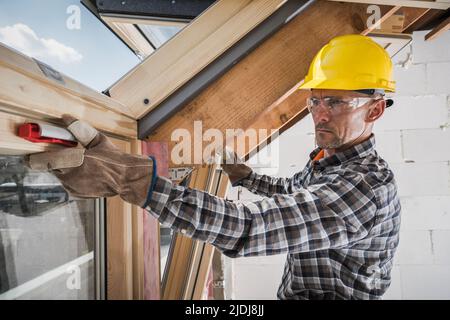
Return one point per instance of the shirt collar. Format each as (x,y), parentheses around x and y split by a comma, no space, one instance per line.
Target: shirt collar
(357,151)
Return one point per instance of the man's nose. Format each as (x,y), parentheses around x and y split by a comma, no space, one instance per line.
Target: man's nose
(322,114)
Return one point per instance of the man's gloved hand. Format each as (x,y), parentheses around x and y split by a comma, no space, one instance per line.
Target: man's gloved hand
(234,167)
(99,169)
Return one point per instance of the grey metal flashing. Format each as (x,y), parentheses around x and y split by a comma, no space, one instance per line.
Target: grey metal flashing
(187,92)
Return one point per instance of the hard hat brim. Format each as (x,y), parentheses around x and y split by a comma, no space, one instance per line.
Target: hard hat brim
(342,84)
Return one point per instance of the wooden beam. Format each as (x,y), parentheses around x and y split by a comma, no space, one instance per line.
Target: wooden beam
(152,243)
(203,271)
(423,20)
(412,15)
(119,240)
(11,143)
(439,30)
(137,226)
(386,13)
(441,5)
(251,90)
(193,48)
(25,89)
(183,95)
(28,66)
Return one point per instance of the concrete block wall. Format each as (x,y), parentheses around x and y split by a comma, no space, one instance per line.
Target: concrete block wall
(414,138)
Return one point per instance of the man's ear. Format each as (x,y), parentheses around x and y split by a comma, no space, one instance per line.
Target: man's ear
(376,110)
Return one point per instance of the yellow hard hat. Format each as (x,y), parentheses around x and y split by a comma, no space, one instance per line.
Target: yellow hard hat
(350,62)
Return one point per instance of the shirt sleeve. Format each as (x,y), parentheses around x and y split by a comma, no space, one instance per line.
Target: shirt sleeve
(267,186)
(333,213)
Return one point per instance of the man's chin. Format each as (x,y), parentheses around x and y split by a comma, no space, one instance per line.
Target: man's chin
(328,144)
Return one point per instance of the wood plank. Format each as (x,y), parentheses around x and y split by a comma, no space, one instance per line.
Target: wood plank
(439,30)
(412,15)
(152,255)
(119,243)
(386,13)
(190,51)
(12,144)
(137,220)
(177,266)
(29,67)
(429,16)
(403,3)
(241,97)
(21,91)
(203,272)
(195,260)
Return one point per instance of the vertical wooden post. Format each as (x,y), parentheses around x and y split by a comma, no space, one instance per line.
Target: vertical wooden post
(137,219)
(152,259)
(119,243)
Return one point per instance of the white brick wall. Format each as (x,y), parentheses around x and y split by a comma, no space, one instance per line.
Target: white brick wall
(414,138)
(414,112)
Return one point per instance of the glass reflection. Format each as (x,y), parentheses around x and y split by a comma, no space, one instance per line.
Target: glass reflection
(47,238)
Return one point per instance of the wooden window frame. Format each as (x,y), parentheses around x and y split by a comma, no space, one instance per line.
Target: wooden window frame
(28,95)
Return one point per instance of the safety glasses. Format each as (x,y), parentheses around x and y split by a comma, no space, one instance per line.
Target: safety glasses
(336,105)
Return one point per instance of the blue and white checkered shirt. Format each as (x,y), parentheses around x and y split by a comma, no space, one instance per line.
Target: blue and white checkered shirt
(338,220)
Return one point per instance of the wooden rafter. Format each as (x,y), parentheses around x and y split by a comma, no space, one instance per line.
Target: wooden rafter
(248,96)
(208,36)
(412,15)
(423,20)
(440,29)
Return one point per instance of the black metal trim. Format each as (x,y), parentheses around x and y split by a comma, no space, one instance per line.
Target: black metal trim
(180,9)
(222,64)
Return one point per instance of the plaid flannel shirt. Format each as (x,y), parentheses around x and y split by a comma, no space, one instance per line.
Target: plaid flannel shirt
(338,221)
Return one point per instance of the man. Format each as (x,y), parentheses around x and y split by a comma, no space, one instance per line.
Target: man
(338,219)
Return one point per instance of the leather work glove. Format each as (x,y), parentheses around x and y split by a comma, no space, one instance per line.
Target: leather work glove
(234,167)
(99,169)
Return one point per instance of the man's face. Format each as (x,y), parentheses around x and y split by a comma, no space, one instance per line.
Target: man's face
(334,130)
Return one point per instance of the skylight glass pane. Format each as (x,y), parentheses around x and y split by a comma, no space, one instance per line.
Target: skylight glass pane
(159,34)
(69,38)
